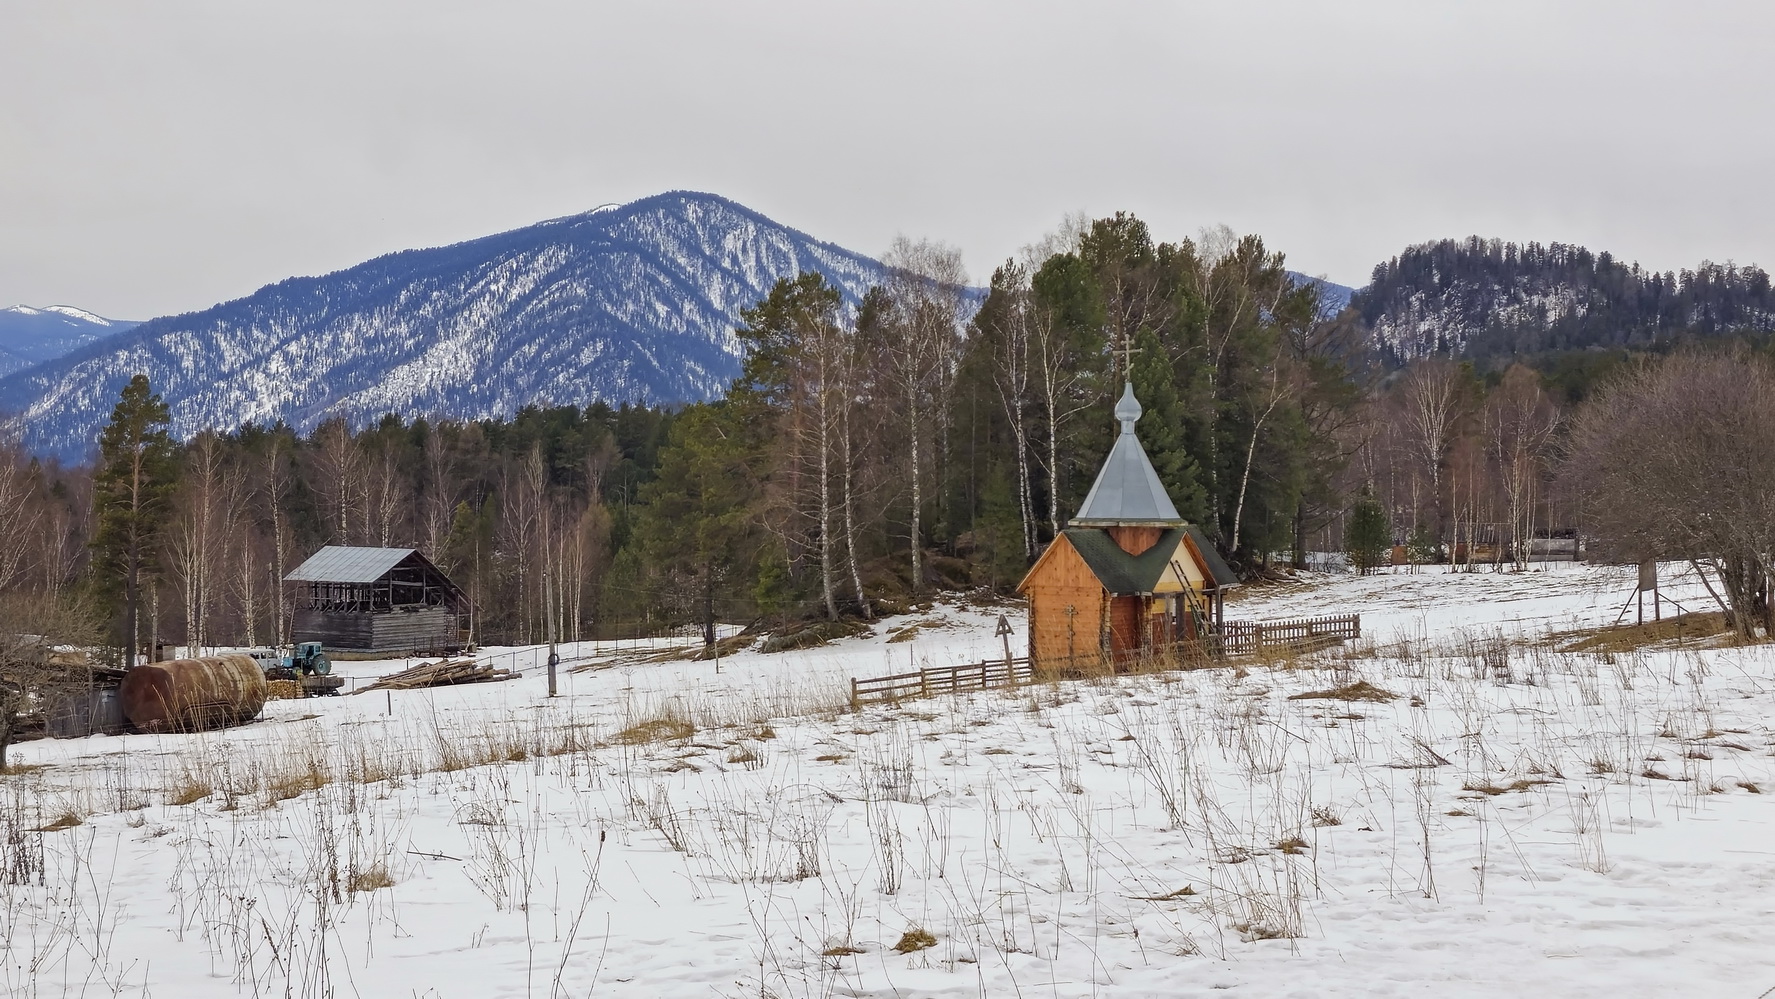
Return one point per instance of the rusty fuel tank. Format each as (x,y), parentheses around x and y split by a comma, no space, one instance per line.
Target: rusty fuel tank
(187,695)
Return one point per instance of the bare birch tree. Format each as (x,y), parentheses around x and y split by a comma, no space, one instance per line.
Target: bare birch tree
(1520,423)
(1011,335)
(927,285)
(1432,399)
(20,516)
(196,542)
(337,463)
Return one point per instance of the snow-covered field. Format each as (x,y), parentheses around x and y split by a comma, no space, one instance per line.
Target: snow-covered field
(1513,821)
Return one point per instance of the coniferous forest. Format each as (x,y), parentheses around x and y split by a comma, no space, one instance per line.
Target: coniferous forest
(932,436)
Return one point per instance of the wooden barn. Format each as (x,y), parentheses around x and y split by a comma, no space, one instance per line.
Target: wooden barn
(1127,576)
(377,600)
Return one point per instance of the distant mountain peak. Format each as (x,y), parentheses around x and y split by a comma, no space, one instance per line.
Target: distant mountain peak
(30,336)
(80,314)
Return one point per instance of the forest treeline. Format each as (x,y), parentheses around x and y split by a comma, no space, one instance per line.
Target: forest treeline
(870,453)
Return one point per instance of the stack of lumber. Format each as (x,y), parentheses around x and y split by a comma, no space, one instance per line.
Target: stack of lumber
(443,673)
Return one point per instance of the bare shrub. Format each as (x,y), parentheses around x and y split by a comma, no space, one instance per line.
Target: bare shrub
(1674,460)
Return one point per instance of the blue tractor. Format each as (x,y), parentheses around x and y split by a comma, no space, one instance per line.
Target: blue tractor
(307,665)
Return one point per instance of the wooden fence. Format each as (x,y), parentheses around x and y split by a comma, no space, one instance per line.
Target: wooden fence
(1244,637)
(1236,638)
(941,680)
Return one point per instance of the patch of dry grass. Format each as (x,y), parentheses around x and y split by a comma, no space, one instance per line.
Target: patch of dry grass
(1630,637)
(370,878)
(1491,790)
(66,820)
(915,939)
(190,789)
(666,728)
(1360,690)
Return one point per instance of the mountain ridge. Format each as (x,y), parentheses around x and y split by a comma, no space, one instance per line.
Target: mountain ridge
(633,303)
(1484,298)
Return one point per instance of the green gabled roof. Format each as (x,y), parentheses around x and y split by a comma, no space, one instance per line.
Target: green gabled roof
(1121,573)
(1219,573)
(1118,571)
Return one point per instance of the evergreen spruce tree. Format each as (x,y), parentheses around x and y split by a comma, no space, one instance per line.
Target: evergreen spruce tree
(999,529)
(1368,537)
(131,493)
(1162,430)
(697,531)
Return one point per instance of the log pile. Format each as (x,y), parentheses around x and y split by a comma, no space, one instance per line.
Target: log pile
(444,673)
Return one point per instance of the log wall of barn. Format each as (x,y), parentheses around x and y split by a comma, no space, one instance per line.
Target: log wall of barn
(420,630)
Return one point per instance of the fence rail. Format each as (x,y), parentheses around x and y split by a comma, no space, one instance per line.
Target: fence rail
(942,680)
(1244,637)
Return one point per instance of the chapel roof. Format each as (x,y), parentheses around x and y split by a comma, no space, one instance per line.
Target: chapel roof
(1127,491)
(1121,573)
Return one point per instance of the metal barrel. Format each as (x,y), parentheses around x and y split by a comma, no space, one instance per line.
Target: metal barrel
(188,695)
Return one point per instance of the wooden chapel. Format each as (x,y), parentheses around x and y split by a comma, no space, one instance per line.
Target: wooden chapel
(1127,577)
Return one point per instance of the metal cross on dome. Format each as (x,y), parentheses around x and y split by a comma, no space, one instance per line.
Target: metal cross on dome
(1128,352)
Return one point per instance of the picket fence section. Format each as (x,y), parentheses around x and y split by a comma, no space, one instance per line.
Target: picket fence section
(1241,638)
(942,680)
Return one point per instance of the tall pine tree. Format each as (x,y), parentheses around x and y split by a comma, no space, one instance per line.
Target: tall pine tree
(131,493)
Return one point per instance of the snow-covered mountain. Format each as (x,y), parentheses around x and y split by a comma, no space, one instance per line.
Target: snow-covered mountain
(635,302)
(31,336)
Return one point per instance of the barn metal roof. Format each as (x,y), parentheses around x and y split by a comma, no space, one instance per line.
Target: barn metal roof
(1127,490)
(343,564)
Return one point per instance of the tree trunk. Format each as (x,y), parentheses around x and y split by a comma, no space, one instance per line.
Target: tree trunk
(850,523)
(708,607)
(1251,452)
(132,595)
(917,495)
(1053,471)
(827,588)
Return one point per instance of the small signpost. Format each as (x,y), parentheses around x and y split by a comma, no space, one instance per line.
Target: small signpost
(1004,632)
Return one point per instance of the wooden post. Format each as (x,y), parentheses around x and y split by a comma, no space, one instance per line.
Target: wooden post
(855,701)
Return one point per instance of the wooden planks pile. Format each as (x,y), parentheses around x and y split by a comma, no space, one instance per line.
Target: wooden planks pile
(444,673)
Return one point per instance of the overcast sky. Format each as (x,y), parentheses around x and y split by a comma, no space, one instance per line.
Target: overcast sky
(160,157)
